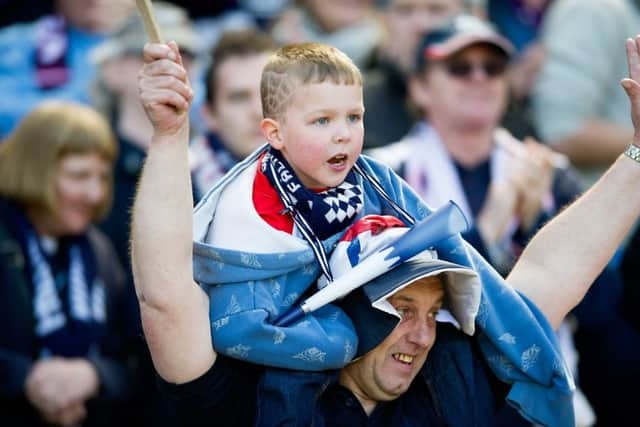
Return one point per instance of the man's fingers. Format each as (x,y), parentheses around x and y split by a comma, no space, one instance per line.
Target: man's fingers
(174,47)
(164,67)
(632,88)
(155,51)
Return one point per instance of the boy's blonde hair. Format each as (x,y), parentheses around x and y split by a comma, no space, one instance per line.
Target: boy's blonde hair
(29,157)
(298,64)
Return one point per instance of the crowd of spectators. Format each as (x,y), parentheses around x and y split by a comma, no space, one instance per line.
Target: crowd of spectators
(455,121)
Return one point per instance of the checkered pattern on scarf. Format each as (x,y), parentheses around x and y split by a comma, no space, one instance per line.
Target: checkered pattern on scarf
(327,212)
(344,202)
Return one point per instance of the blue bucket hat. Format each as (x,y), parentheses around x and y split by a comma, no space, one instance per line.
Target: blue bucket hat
(372,315)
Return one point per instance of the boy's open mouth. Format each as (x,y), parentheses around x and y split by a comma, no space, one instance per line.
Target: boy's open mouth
(338,159)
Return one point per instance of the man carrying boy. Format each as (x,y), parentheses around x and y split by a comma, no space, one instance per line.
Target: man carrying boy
(319,137)
(388,383)
(266,228)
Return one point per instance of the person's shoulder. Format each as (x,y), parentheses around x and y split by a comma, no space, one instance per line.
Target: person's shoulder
(17,33)
(373,163)
(5,234)
(15,43)
(393,155)
(109,265)
(577,12)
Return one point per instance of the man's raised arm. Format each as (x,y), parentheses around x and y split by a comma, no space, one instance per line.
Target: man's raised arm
(174,310)
(561,262)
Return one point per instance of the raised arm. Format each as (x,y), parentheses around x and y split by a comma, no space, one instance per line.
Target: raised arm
(564,258)
(175,311)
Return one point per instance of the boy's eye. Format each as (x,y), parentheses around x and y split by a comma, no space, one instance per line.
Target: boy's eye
(433,314)
(355,118)
(321,121)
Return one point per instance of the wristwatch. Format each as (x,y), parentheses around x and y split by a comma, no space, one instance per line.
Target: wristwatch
(633,152)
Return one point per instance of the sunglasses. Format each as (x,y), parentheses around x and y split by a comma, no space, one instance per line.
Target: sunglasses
(463,69)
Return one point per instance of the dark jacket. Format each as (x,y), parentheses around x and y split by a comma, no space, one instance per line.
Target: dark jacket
(18,349)
(455,388)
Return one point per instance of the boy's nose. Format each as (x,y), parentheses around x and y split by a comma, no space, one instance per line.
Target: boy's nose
(343,134)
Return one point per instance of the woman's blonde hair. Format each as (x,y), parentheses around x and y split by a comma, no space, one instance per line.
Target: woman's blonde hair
(298,64)
(29,157)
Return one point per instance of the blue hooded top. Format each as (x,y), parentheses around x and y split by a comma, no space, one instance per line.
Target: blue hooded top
(253,273)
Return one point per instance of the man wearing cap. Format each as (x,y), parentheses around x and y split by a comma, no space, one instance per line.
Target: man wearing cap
(507,188)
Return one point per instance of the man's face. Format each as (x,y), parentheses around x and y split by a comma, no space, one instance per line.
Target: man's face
(100,16)
(333,15)
(387,371)
(408,21)
(235,113)
(321,132)
(467,90)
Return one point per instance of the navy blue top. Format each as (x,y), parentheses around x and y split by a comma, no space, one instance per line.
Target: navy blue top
(455,388)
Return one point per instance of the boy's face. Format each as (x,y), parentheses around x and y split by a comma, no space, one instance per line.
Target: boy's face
(387,371)
(321,132)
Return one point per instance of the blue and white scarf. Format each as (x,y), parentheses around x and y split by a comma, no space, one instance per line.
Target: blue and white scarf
(52,44)
(318,216)
(209,160)
(69,308)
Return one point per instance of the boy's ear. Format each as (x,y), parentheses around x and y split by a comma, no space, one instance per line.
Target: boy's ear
(271,131)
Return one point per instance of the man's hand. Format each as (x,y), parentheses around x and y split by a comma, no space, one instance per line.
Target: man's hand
(497,212)
(631,84)
(530,170)
(534,181)
(164,87)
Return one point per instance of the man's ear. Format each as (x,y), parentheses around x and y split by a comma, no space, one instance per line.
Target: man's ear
(419,93)
(209,117)
(272,133)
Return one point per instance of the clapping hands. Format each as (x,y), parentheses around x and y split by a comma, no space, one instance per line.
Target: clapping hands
(518,198)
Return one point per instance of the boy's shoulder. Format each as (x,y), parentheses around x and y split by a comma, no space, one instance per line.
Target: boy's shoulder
(394,154)
(366,160)
(382,170)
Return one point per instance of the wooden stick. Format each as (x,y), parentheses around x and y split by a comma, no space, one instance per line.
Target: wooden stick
(150,24)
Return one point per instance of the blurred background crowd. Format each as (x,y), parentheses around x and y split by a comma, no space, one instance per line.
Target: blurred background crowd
(511,134)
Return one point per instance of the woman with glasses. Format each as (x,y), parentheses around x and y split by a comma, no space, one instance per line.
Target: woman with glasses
(62,357)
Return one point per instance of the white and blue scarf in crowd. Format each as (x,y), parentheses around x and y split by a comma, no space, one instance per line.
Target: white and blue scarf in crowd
(253,273)
(69,306)
(209,160)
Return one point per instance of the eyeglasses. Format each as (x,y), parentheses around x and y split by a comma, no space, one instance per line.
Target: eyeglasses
(463,69)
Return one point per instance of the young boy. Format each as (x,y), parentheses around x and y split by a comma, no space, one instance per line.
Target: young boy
(263,234)
(261,237)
